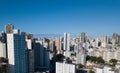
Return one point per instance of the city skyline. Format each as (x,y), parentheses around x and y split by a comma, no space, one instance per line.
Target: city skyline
(99,17)
(21,52)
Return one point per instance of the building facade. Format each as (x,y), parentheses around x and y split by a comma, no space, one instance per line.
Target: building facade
(65,68)
(16,47)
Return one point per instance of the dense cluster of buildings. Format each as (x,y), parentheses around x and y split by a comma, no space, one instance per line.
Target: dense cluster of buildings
(64,54)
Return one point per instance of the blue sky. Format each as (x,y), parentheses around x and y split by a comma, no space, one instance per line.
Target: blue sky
(95,17)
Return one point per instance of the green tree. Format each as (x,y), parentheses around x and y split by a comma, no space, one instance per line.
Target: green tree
(73,54)
(80,66)
(100,60)
(113,62)
(87,58)
(91,71)
(109,42)
(95,59)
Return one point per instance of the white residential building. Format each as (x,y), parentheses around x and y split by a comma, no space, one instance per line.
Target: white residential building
(66,46)
(117,54)
(65,68)
(108,69)
(2,50)
(108,54)
(16,48)
(29,43)
(66,41)
(99,70)
(81,58)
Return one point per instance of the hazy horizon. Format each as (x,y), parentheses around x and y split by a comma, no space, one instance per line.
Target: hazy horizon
(101,17)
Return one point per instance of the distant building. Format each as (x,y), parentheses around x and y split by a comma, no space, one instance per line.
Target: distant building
(119,39)
(83,37)
(52,46)
(108,54)
(3,37)
(117,54)
(81,56)
(66,45)
(81,59)
(9,28)
(29,43)
(3,50)
(66,41)
(58,43)
(97,53)
(90,52)
(29,39)
(115,39)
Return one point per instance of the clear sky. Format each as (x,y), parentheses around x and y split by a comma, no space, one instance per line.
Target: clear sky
(58,16)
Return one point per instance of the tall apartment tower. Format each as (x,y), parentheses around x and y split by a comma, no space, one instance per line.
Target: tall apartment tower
(3,50)
(9,28)
(3,37)
(58,43)
(30,53)
(66,45)
(119,39)
(66,41)
(16,47)
(41,56)
(83,37)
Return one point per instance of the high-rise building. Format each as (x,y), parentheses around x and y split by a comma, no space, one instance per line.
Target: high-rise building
(66,41)
(30,60)
(38,55)
(83,37)
(3,37)
(115,39)
(52,45)
(41,56)
(66,45)
(9,28)
(58,43)
(16,47)
(30,53)
(29,39)
(119,39)
(3,50)
(81,56)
